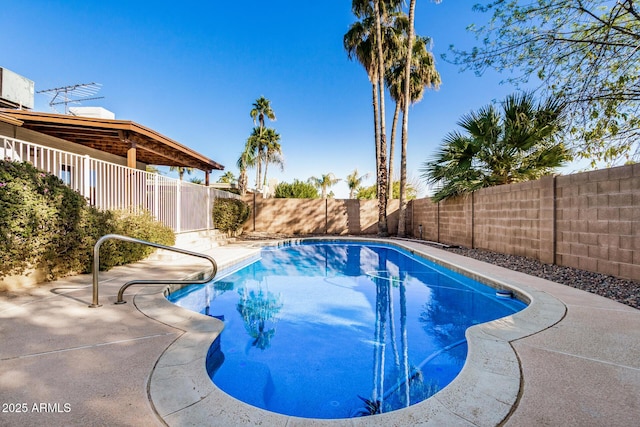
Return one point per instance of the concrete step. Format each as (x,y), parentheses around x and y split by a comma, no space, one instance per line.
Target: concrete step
(199,241)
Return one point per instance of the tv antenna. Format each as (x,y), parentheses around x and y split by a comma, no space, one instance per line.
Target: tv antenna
(74,94)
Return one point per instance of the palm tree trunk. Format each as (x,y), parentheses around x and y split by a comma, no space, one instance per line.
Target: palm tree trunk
(382,166)
(242,182)
(376,122)
(266,165)
(257,174)
(392,148)
(402,213)
(259,180)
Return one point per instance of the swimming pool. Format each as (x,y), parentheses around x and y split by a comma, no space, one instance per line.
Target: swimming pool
(336,330)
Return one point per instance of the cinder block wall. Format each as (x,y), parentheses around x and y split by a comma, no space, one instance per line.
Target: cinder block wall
(456,221)
(598,221)
(516,219)
(317,216)
(589,220)
(423,214)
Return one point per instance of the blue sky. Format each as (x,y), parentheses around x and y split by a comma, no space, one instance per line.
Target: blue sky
(191,70)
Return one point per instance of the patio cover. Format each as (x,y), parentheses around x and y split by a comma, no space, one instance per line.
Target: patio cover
(120,137)
(8,119)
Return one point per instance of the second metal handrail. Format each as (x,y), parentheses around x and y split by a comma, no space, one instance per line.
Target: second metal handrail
(96,267)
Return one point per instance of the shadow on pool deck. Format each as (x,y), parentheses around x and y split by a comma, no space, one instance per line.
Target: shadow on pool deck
(62,363)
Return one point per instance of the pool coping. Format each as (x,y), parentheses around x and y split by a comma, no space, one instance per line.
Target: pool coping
(484,393)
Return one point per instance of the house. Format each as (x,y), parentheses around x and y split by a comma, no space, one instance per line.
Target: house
(117,141)
(105,159)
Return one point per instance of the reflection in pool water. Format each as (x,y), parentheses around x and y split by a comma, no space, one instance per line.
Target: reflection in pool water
(340,329)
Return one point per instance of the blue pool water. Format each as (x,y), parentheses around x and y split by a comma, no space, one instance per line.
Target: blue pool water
(340,329)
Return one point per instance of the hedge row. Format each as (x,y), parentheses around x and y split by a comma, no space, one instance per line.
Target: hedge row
(229,215)
(44,224)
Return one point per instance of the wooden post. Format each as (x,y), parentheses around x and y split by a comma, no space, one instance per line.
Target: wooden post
(131,155)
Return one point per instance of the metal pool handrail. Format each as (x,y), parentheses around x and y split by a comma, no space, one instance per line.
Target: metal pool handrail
(96,267)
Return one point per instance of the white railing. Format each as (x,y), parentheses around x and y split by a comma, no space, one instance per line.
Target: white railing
(183,206)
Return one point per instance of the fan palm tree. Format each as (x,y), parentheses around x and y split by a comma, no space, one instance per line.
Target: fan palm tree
(359,44)
(272,150)
(246,160)
(228,178)
(153,169)
(324,182)
(367,41)
(518,143)
(261,109)
(181,171)
(423,75)
(256,145)
(354,182)
(405,120)
(383,229)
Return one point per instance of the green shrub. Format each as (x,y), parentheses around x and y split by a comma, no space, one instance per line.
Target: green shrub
(141,226)
(40,222)
(229,215)
(45,224)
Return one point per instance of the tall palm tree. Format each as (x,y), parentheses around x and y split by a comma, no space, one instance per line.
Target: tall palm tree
(272,150)
(324,182)
(354,182)
(368,42)
(383,229)
(255,145)
(405,121)
(246,160)
(516,144)
(359,44)
(261,109)
(423,75)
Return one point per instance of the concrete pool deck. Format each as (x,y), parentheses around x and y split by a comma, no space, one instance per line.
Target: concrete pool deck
(572,358)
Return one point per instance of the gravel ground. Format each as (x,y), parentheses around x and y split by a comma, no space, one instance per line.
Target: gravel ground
(621,290)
